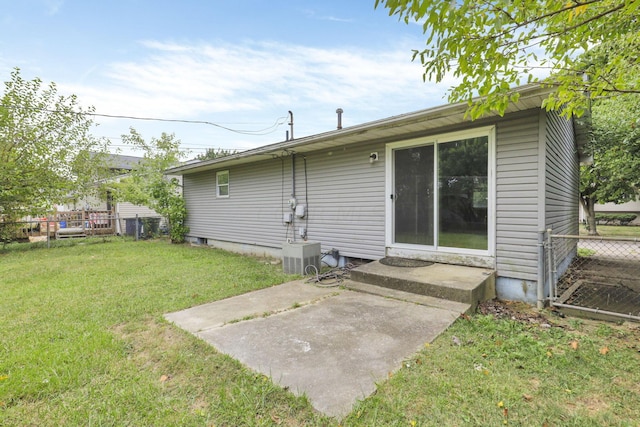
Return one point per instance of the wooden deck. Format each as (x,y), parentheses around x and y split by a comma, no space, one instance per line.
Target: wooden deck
(78,224)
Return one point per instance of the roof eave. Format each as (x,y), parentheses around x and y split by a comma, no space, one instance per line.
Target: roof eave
(531,96)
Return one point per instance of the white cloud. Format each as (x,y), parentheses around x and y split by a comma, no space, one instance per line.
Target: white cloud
(256,82)
(207,78)
(312,14)
(53,6)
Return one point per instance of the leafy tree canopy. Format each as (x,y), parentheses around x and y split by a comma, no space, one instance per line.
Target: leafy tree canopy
(214,153)
(614,174)
(490,46)
(47,154)
(147,184)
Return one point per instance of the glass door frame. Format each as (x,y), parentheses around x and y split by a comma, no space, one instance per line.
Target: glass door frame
(477,257)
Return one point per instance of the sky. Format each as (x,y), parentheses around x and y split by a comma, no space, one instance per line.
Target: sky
(239,65)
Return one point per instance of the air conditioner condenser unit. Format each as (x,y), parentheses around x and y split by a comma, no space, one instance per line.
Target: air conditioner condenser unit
(297,256)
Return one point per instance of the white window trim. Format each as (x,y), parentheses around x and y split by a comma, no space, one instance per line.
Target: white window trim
(392,247)
(218,185)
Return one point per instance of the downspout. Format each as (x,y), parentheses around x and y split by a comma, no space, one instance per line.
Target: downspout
(293,175)
(293,193)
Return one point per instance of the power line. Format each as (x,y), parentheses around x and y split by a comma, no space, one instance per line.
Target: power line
(266,131)
(190,147)
(193,145)
(279,121)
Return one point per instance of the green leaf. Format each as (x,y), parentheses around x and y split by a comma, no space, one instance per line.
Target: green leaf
(493,45)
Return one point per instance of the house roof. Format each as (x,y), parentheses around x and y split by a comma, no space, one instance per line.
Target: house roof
(389,129)
(120,162)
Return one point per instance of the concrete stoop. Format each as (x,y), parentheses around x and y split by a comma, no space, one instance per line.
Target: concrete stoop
(439,283)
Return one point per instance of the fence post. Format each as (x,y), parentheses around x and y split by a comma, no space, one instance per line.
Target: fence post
(551,267)
(48,238)
(137,226)
(541,275)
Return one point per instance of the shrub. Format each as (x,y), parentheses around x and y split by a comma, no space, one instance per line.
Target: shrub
(615,219)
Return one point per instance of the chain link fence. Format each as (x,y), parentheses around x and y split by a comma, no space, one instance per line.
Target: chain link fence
(599,275)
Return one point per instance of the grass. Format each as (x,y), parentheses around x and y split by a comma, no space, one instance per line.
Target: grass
(614,231)
(447,239)
(585,252)
(463,240)
(509,372)
(83,342)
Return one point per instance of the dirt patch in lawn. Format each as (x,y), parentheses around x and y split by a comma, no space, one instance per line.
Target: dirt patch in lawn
(155,347)
(512,310)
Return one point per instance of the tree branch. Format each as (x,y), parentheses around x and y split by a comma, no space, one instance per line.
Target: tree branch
(545,36)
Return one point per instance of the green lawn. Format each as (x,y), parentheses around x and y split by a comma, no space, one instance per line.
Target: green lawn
(614,231)
(447,239)
(83,342)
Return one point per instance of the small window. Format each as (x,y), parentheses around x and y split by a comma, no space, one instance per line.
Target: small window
(222,184)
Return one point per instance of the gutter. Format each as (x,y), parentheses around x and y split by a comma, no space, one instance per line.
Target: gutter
(356,134)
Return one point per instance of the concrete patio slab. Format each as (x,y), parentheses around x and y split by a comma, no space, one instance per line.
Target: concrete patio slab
(253,304)
(331,344)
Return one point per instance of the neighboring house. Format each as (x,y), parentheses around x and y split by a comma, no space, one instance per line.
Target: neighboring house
(121,210)
(430,185)
(612,208)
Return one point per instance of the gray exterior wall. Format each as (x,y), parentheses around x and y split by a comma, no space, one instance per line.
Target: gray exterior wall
(562,183)
(344,194)
(346,199)
(536,187)
(129,210)
(517,213)
(252,214)
(562,176)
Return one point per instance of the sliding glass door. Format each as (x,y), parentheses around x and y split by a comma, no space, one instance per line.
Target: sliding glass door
(463,193)
(440,193)
(414,196)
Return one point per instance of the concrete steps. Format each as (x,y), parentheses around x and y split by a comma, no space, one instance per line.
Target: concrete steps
(453,283)
(456,307)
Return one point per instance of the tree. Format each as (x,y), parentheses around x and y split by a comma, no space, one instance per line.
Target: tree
(47,154)
(147,184)
(214,153)
(614,174)
(492,45)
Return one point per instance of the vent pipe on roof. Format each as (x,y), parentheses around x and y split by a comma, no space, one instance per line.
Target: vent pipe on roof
(291,123)
(339,111)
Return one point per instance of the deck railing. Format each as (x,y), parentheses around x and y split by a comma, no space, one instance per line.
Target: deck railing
(84,223)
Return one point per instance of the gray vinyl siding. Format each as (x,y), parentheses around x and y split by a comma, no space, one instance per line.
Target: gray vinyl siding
(517,177)
(562,180)
(563,175)
(345,201)
(536,185)
(129,210)
(252,214)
